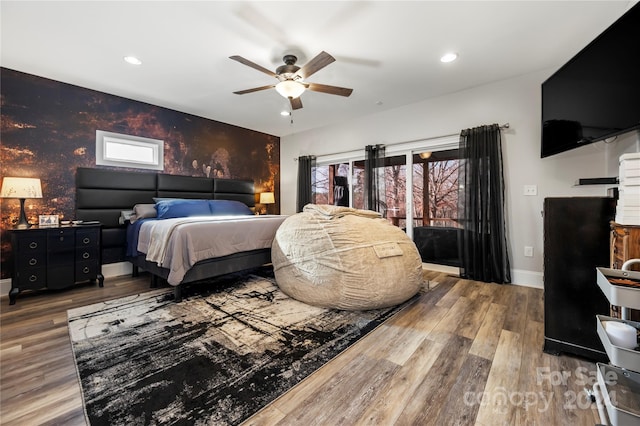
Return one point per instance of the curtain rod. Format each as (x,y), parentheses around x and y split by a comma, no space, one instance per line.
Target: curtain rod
(503,126)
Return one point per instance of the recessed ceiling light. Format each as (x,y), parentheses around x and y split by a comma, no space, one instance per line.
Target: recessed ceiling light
(285,113)
(449,57)
(132,60)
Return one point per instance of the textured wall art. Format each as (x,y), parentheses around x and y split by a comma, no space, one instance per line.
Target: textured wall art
(49,129)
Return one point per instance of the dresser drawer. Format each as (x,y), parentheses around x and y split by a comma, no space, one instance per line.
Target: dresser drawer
(60,257)
(86,271)
(61,239)
(32,279)
(32,244)
(60,276)
(87,253)
(88,237)
(28,261)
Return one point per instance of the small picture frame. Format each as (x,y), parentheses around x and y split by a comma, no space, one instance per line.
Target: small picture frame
(48,220)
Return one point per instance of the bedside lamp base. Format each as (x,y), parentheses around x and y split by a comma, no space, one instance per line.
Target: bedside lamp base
(22,222)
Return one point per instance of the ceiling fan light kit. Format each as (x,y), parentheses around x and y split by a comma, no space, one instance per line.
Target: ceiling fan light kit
(290,88)
(290,78)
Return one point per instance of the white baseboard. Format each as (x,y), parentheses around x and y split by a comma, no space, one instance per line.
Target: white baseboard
(5,286)
(117,269)
(527,278)
(518,276)
(441,268)
(109,271)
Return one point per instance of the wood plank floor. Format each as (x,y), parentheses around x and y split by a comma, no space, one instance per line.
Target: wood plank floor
(465,353)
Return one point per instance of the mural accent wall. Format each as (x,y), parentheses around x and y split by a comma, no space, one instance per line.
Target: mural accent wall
(48,129)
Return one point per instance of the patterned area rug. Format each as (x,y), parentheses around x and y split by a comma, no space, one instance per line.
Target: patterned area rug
(228,349)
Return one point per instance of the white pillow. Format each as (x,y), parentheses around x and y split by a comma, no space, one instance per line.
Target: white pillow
(143,211)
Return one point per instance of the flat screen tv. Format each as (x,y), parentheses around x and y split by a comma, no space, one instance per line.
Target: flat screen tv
(596,95)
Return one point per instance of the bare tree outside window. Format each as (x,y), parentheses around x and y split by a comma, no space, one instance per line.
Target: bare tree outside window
(320,185)
(435,196)
(357,183)
(395,186)
(443,193)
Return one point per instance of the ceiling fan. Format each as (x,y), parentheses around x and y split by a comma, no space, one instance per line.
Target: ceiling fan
(291,77)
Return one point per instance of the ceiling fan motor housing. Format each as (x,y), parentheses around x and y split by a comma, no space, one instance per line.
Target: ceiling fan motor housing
(289,69)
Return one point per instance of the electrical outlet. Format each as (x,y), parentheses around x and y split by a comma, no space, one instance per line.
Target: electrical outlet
(528,251)
(530,190)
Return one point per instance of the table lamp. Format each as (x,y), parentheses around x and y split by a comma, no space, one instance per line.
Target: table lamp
(267,198)
(21,188)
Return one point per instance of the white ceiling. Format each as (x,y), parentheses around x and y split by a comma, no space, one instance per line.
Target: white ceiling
(387,51)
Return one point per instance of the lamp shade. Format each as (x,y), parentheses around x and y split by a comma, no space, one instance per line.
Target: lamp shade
(267,198)
(19,187)
(290,88)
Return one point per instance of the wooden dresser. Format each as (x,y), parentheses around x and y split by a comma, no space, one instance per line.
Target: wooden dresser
(625,245)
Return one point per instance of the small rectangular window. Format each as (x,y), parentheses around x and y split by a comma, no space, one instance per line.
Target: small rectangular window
(118,150)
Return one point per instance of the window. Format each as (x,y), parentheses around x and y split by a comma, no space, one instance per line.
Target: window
(330,184)
(428,195)
(435,188)
(393,207)
(117,150)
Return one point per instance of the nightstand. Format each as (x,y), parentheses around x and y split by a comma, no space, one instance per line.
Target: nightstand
(54,258)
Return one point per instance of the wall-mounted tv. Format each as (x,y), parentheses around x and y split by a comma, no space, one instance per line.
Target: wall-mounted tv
(596,95)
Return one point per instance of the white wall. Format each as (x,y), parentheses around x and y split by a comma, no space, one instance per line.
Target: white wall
(515,101)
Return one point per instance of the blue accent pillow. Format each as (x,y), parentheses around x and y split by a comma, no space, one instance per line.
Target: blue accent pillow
(228,207)
(168,209)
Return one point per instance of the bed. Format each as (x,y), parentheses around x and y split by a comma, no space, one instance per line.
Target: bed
(103,195)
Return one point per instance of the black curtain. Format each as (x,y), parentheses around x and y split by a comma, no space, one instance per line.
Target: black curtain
(374,185)
(306,164)
(483,250)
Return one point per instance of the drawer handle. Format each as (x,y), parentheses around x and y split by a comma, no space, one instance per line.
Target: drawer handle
(86,240)
(85,270)
(33,245)
(33,261)
(86,255)
(33,278)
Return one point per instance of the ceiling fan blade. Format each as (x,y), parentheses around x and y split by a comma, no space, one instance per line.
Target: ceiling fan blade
(332,90)
(296,103)
(252,65)
(255,89)
(316,64)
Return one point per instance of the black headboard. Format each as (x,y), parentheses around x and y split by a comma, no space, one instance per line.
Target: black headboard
(103,194)
(171,186)
(233,189)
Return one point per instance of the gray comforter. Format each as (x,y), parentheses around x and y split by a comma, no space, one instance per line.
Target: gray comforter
(177,244)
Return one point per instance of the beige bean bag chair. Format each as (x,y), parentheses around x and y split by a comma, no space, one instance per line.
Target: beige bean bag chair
(339,257)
